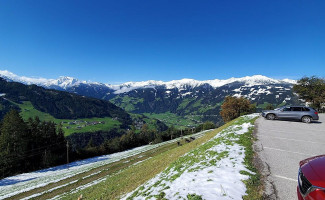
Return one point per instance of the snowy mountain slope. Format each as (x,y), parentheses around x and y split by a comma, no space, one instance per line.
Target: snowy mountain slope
(62,82)
(65,82)
(184,83)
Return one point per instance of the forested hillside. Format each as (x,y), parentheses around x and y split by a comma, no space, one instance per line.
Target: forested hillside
(30,145)
(60,104)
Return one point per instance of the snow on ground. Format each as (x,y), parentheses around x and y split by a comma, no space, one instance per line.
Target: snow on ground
(211,171)
(14,185)
(185,94)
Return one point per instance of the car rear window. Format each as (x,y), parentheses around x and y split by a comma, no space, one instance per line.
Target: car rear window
(296,108)
(305,109)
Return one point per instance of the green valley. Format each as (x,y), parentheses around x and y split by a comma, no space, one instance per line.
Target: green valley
(172,119)
(70,125)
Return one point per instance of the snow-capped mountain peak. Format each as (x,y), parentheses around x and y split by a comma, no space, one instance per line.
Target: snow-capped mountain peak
(9,76)
(65,82)
(62,82)
(180,84)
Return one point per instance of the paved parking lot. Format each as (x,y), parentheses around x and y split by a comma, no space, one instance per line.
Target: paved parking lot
(283,144)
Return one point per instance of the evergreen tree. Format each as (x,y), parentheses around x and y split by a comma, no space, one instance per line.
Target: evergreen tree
(208,125)
(90,143)
(13,143)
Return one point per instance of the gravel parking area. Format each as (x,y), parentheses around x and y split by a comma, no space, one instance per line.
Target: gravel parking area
(281,145)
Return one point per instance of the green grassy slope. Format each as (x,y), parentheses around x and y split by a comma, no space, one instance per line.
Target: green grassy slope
(70,126)
(172,119)
(82,124)
(128,179)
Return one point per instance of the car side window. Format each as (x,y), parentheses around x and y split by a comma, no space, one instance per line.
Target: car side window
(305,109)
(296,108)
(286,109)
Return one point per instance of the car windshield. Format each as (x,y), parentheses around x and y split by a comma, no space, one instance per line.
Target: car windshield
(279,108)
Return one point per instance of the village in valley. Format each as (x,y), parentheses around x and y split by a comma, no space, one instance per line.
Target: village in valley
(81,124)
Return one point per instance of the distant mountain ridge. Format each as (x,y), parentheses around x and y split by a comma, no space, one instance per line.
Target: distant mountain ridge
(59,104)
(65,82)
(197,101)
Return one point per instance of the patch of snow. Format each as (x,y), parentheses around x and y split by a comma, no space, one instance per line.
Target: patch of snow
(50,190)
(141,161)
(289,81)
(237,95)
(13,185)
(187,93)
(204,173)
(81,187)
(261,91)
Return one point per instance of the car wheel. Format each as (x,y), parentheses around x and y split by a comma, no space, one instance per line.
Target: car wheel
(270,116)
(306,119)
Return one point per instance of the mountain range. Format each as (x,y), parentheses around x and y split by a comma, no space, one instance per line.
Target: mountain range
(66,82)
(193,100)
(60,104)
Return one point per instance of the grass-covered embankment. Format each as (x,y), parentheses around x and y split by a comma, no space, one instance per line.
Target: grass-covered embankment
(227,150)
(214,170)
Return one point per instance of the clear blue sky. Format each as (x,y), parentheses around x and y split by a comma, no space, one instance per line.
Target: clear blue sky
(115,41)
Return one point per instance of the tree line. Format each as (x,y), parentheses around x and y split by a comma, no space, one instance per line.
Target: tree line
(33,144)
(28,146)
(133,138)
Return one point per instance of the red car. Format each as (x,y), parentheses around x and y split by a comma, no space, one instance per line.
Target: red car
(311,179)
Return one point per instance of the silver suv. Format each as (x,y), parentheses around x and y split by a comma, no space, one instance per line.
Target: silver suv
(305,114)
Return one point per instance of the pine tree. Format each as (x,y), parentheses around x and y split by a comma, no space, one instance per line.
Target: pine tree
(13,143)
(91,143)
